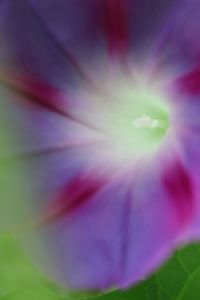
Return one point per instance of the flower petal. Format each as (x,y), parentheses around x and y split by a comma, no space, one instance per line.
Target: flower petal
(180,45)
(38,53)
(124,230)
(147,23)
(189,83)
(115,26)
(188,128)
(162,206)
(73,23)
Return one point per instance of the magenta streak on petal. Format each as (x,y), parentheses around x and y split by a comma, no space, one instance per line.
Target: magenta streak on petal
(179,187)
(42,95)
(35,92)
(80,190)
(115,26)
(189,83)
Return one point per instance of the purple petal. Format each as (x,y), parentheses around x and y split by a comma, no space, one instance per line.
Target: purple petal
(124,229)
(181,47)
(73,23)
(148,22)
(38,53)
(188,125)
(100,231)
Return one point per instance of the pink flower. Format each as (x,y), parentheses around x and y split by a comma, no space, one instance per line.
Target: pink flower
(108,92)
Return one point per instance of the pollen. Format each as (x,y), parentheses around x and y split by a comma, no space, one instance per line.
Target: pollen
(145,121)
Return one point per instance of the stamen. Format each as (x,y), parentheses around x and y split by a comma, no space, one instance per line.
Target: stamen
(145,121)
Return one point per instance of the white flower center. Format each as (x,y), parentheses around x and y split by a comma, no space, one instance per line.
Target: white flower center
(133,118)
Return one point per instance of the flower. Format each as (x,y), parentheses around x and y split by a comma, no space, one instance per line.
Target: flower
(108,94)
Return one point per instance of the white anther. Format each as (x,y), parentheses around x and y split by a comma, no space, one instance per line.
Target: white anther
(146,121)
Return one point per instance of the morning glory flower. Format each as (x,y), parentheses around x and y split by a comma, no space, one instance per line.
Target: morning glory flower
(107,93)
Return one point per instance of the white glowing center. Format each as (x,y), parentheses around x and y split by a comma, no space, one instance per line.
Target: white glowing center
(145,121)
(132,115)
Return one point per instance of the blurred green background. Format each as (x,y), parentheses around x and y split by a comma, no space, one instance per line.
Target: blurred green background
(179,278)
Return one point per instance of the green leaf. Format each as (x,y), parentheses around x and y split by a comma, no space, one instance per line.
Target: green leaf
(180,277)
(16,272)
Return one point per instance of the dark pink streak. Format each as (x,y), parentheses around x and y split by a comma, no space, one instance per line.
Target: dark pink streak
(41,94)
(180,189)
(190,82)
(35,92)
(115,26)
(80,190)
